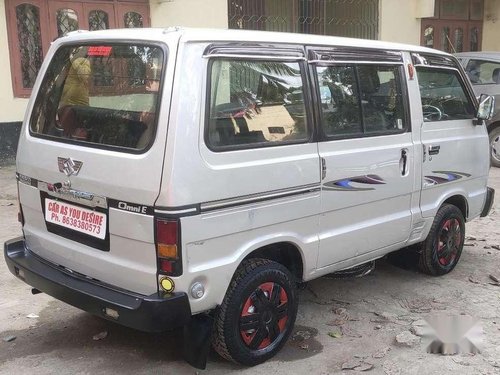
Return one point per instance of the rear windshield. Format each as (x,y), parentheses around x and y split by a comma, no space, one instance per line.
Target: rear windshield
(100,95)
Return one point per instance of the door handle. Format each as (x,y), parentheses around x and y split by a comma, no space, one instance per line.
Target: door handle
(403,162)
(434,150)
(323,168)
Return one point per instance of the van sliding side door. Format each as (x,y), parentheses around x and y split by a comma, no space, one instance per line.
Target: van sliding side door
(366,150)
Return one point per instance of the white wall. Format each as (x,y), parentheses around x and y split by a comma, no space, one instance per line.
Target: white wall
(189,13)
(491,26)
(400,20)
(11,109)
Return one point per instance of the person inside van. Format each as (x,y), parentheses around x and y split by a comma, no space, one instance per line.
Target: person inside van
(496,75)
(75,92)
(474,72)
(151,86)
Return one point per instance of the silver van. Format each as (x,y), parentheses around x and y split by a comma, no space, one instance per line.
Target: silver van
(483,70)
(193,177)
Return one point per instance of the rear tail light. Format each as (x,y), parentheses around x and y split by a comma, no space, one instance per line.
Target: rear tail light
(168,247)
(20,216)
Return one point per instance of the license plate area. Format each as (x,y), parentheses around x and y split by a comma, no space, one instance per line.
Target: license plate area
(75,222)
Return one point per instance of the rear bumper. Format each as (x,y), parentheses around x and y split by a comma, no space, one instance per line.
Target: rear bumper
(490,197)
(153,313)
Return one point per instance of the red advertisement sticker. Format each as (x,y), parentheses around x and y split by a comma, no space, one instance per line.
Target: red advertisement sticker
(99,51)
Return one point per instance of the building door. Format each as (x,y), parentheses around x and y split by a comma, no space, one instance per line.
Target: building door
(64,17)
(457,26)
(67,16)
(34,24)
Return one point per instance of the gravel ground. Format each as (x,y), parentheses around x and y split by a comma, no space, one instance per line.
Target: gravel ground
(349,323)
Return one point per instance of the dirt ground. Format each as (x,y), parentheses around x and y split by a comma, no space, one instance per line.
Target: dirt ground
(341,323)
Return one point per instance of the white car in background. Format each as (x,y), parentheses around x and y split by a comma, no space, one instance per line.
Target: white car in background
(483,69)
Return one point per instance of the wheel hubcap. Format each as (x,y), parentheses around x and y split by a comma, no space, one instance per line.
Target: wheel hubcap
(495,148)
(449,240)
(264,315)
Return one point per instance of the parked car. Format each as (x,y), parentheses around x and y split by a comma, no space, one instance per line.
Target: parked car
(483,69)
(213,170)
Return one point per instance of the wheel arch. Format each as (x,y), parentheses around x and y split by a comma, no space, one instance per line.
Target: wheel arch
(460,202)
(286,253)
(493,125)
(493,133)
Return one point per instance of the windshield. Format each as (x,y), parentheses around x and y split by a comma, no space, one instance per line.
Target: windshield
(100,95)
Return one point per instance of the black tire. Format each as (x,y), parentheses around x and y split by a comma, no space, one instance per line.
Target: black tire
(442,249)
(495,147)
(268,320)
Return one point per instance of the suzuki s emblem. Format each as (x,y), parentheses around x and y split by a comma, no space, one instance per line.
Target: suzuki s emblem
(69,166)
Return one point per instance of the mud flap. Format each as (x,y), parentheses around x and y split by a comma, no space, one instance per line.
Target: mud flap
(197,339)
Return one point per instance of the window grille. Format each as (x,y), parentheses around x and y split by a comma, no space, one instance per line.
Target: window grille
(30,42)
(98,20)
(33,24)
(351,18)
(67,21)
(132,20)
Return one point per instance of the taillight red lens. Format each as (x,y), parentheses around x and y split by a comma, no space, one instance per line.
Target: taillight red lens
(166,232)
(20,216)
(166,266)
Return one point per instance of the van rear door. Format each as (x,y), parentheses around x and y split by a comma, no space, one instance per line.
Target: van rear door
(90,159)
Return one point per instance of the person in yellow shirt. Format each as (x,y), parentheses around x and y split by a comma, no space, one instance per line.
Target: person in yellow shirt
(75,91)
(76,87)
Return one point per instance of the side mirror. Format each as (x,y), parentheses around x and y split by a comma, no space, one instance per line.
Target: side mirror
(486,107)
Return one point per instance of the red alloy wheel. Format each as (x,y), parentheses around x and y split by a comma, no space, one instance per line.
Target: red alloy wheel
(449,240)
(264,316)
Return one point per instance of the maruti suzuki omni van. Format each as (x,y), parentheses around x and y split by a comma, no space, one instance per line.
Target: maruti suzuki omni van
(167,176)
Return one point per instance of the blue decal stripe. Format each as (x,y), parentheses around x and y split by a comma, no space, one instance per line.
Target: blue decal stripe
(345,183)
(450,176)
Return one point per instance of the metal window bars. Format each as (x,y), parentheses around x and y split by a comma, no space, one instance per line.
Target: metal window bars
(350,18)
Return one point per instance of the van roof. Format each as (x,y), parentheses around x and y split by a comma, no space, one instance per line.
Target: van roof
(225,35)
(480,55)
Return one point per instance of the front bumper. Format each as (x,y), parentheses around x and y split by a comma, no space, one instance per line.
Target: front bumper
(154,313)
(490,197)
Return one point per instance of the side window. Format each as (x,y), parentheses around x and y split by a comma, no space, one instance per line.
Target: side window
(443,95)
(361,100)
(483,72)
(255,103)
(381,99)
(339,100)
